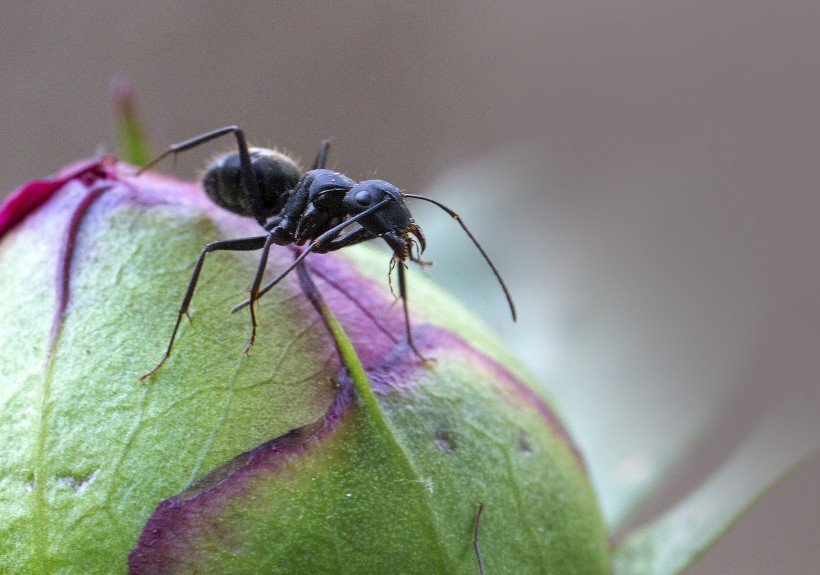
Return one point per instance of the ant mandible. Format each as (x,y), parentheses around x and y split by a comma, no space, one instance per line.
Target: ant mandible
(314,207)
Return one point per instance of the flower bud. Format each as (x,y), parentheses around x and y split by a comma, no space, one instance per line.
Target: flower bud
(319,451)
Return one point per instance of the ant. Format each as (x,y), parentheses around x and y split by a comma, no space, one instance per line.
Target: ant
(295,208)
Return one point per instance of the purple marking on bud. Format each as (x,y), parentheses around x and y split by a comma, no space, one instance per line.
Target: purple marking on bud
(31,196)
(167,532)
(67,257)
(183,518)
(371,315)
(93,175)
(360,304)
(401,369)
(96,176)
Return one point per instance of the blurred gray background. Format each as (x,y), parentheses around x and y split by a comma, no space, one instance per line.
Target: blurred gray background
(646,174)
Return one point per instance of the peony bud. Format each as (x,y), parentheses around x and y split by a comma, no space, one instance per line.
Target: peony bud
(320,451)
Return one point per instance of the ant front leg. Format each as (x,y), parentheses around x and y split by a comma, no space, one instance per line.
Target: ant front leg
(247,177)
(403,296)
(327,237)
(351,238)
(238,245)
(361,235)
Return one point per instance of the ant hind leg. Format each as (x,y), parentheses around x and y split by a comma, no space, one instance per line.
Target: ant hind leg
(247,176)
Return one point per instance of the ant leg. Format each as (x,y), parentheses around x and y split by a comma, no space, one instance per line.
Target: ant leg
(328,236)
(257,280)
(321,158)
(403,296)
(351,238)
(283,227)
(174,149)
(242,244)
(290,225)
(248,179)
(312,292)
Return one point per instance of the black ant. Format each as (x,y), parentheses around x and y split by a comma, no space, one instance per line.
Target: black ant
(295,208)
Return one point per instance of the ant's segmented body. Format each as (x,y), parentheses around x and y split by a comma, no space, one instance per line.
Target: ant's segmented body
(315,207)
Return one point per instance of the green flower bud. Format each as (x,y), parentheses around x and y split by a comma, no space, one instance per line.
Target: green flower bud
(328,448)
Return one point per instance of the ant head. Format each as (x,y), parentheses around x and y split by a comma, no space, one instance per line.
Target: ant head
(393,221)
(367,194)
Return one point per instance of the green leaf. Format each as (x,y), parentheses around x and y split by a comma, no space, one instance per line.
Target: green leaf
(789,436)
(134,147)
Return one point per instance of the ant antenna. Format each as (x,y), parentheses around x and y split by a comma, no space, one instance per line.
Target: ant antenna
(456,217)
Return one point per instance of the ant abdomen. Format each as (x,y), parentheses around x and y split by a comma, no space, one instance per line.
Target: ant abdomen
(276,175)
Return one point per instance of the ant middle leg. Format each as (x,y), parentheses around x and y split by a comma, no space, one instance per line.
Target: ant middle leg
(321,158)
(317,244)
(283,226)
(242,244)
(254,291)
(354,237)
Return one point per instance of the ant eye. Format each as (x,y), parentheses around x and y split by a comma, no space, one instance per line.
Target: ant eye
(362,198)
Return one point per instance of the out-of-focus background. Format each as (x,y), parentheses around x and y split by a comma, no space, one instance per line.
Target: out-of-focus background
(646,175)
